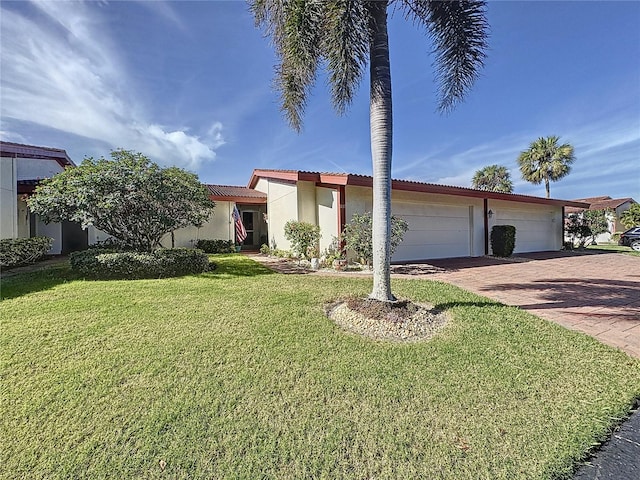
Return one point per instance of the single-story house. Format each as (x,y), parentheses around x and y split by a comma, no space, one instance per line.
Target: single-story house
(21,168)
(443,221)
(616,206)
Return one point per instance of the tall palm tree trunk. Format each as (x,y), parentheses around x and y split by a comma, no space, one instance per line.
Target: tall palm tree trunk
(546,185)
(381,148)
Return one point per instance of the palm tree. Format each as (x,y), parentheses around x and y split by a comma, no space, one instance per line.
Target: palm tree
(345,36)
(546,161)
(494,178)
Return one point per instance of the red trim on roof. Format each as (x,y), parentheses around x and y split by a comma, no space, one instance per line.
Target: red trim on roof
(403,185)
(19,150)
(231,193)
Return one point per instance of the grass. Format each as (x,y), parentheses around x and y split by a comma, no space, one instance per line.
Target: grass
(609,247)
(238,374)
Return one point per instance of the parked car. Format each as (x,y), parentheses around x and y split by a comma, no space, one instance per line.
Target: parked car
(631,238)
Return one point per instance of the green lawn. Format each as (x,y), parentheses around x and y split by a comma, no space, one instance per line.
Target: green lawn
(238,374)
(609,247)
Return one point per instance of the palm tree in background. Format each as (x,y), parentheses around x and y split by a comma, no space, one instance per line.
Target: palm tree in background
(546,161)
(493,178)
(346,36)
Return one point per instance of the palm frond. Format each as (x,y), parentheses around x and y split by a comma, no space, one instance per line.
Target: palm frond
(459,31)
(346,48)
(295,28)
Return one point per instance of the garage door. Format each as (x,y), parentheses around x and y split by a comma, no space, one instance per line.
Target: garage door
(435,231)
(535,231)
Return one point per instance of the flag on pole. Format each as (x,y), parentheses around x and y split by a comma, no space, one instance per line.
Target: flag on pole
(241,233)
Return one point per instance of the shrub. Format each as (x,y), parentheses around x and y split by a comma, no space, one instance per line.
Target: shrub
(358,235)
(503,240)
(304,237)
(265,249)
(578,229)
(164,262)
(333,252)
(23,251)
(216,246)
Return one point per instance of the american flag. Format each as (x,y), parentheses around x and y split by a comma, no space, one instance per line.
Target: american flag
(241,233)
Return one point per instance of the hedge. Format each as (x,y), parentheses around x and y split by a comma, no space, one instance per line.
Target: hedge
(503,240)
(23,251)
(164,262)
(216,246)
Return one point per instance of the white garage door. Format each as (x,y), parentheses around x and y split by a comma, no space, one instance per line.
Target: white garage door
(435,231)
(535,231)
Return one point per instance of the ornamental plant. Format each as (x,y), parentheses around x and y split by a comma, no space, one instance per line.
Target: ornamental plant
(216,246)
(129,197)
(357,235)
(304,238)
(503,240)
(23,251)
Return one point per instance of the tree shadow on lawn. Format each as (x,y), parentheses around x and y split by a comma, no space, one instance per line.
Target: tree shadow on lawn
(237,266)
(20,284)
(561,293)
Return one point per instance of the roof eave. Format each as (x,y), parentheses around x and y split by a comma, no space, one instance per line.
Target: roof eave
(404,185)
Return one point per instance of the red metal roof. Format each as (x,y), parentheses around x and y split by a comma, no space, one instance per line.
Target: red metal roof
(19,150)
(329,178)
(232,193)
(601,203)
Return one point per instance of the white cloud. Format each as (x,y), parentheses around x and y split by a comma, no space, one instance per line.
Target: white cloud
(60,69)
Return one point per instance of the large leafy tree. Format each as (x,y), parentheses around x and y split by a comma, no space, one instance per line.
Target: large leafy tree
(493,178)
(129,197)
(346,36)
(546,161)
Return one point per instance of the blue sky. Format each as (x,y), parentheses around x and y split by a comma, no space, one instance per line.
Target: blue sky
(190,84)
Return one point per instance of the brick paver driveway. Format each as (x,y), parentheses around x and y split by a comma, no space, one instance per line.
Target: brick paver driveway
(593,292)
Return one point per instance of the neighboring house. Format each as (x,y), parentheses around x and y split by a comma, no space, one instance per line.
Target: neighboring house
(443,221)
(615,206)
(21,168)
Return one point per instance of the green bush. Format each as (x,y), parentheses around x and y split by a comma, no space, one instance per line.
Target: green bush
(357,235)
(503,240)
(265,249)
(164,262)
(23,251)
(304,238)
(216,246)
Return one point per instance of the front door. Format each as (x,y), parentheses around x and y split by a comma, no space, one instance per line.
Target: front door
(248,219)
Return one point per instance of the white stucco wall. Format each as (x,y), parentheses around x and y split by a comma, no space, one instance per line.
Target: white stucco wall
(8,198)
(218,227)
(52,230)
(282,206)
(307,210)
(327,202)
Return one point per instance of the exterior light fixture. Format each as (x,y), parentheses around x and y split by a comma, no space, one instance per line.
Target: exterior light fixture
(490,213)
